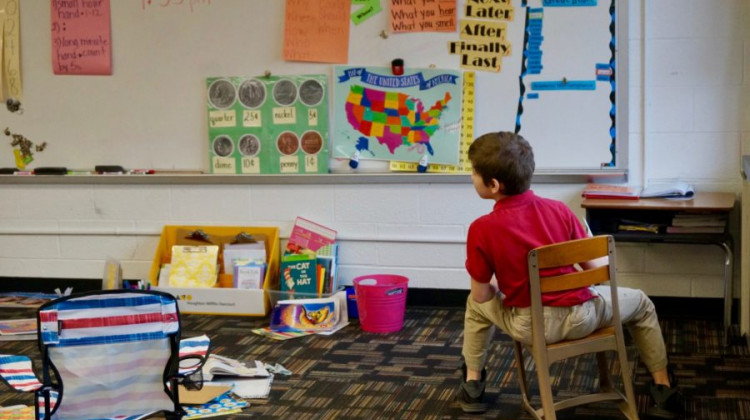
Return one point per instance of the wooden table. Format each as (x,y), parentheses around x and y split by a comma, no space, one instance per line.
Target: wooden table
(604,215)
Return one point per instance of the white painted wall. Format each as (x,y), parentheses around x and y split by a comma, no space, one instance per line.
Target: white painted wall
(689,119)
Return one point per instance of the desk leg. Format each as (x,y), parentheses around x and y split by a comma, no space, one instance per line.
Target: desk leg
(728,289)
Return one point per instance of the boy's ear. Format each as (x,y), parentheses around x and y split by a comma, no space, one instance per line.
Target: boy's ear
(496,186)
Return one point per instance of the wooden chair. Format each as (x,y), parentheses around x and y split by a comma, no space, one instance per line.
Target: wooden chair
(609,338)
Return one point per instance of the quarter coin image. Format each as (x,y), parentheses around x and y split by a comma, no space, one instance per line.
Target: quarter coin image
(223,146)
(249,145)
(312,142)
(311,92)
(284,92)
(221,93)
(287,143)
(252,93)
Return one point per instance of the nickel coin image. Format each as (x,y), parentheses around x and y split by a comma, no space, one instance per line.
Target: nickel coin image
(285,92)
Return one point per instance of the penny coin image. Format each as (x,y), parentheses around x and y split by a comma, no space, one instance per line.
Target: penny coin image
(311,92)
(252,93)
(221,93)
(287,143)
(249,145)
(312,142)
(223,146)
(285,92)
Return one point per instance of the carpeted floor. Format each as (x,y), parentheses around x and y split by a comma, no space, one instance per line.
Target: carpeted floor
(413,374)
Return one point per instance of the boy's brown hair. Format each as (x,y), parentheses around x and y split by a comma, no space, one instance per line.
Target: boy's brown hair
(506,157)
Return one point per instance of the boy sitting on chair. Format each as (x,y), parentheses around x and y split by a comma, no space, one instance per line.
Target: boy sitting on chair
(497,245)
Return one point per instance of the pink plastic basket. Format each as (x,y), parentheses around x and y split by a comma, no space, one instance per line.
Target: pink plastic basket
(381,302)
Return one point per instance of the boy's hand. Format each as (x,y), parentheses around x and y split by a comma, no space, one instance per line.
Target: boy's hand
(482,292)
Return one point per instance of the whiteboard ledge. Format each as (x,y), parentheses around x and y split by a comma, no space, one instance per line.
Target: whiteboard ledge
(542,177)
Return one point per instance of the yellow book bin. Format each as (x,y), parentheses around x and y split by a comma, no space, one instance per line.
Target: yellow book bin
(222,299)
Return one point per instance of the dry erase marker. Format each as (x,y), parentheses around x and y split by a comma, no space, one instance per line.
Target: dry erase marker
(23,173)
(109,169)
(142,171)
(79,172)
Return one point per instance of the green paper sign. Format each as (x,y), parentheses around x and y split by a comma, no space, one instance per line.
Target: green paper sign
(268,125)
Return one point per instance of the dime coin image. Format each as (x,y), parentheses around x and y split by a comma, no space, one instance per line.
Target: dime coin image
(287,143)
(311,92)
(221,93)
(249,145)
(252,93)
(312,142)
(284,92)
(223,146)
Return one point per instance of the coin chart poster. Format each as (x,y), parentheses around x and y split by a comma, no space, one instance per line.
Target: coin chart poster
(268,125)
(414,117)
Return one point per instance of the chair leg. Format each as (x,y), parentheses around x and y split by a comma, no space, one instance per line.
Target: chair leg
(605,381)
(627,383)
(545,391)
(521,371)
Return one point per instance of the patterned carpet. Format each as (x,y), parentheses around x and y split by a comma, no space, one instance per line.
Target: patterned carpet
(413,374)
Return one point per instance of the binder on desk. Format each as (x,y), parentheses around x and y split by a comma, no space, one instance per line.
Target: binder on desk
(668,190)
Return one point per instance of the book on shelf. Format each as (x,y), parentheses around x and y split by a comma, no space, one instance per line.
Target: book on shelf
(668,190)
(683,219)
(695,229)
(611,191)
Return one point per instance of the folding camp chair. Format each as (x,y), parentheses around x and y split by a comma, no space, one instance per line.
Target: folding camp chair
(108,354)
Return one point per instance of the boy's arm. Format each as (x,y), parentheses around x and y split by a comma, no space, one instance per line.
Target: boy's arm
(601,261)
(482,292)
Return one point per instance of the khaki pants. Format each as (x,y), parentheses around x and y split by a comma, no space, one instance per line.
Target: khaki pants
(637,313)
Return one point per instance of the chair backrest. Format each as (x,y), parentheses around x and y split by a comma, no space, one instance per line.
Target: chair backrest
(111,352)
(571,253)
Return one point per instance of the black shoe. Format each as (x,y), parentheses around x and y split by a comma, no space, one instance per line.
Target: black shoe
(471,393)
(667,403)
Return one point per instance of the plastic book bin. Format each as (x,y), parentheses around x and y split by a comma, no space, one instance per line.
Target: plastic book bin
(381,302)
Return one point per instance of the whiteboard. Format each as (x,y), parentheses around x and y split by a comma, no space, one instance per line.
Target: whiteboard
(151,112)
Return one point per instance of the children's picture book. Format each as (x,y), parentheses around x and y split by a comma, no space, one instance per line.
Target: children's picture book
(309,235)
(299,273)
(24,299)
(18,329)
(17,412)
(327,272)
(323,314)
(249,275)
(221,405)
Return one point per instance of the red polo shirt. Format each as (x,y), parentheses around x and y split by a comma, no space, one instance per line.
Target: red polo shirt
(498,243)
